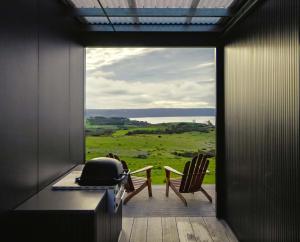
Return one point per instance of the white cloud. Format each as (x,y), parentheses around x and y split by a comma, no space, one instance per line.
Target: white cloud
(150,78)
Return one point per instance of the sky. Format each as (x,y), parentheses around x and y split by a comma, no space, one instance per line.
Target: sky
(118,78)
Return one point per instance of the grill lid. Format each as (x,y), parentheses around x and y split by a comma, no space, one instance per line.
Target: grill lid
(102,171)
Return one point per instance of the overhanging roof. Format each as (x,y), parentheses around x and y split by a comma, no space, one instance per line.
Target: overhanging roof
(153,15)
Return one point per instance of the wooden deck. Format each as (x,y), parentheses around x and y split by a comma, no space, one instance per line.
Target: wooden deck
(161,206)
(175,229)
(161,219)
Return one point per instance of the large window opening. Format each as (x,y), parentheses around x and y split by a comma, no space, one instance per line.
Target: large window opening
(151,106)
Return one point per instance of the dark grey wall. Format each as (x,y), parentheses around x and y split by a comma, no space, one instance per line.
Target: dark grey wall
(262,124)
(41,98)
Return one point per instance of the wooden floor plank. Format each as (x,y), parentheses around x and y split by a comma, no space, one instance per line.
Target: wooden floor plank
(200,230)
(139,230)
(126,229)
(185,230)
(154,230)
(169,227)
(231,236)
(216,229)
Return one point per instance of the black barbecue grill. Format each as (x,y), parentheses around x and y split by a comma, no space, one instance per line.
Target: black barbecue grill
(102,171)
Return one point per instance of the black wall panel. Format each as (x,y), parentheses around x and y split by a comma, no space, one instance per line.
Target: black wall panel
(77,85)
(54,94)
(262,124)
(18,102)
(41,98)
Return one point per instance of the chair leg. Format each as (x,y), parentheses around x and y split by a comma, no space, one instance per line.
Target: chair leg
(149,183)
(128,197)
(132,194)
(167,188)
(178,194)
(149,188)
(206,194)
(168,174)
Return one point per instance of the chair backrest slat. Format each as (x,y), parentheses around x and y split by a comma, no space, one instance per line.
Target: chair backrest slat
(188,173)
(184,177)
(194,172)
(201,174)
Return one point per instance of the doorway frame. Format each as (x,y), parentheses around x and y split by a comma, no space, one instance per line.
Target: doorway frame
(177,40)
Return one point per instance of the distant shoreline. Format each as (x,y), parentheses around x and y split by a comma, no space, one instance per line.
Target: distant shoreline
(177,119)
(151,112)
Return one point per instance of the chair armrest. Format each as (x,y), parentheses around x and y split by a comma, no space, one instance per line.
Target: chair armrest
(147,168)
(168,168)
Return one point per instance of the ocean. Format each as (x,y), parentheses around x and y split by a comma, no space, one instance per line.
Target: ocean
(195,119)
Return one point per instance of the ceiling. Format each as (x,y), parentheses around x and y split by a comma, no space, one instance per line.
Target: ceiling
(154,15)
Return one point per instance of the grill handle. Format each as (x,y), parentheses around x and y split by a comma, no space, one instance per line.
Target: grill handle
(123,177)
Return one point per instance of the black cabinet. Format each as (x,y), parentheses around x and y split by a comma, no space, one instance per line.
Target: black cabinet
(65,216)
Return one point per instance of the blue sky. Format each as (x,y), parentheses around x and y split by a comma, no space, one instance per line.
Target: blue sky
(150,78)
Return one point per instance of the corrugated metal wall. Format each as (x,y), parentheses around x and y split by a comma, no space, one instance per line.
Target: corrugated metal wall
(262,166)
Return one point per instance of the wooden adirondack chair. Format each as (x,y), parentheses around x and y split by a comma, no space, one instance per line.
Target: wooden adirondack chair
(135,184)
(191,180)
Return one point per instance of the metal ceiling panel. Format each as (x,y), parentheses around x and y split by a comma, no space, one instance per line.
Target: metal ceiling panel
(162,20)
(205,20)
(154,28)
(122,20)
(96,20)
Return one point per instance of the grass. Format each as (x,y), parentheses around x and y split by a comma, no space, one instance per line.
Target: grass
(151,149)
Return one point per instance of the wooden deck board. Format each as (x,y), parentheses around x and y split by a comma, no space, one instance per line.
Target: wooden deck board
(185,230)
(216,229)
(154,232)
(169,228)
(139,230)
(126,229)
(200,229)
(231,236)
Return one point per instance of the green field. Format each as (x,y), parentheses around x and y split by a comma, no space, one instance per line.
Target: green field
(158,150)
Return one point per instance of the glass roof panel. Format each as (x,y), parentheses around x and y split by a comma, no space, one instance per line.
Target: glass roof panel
(152,3)
(215,3)
(86,3)
(169,13)
(114,3)
(163,3)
